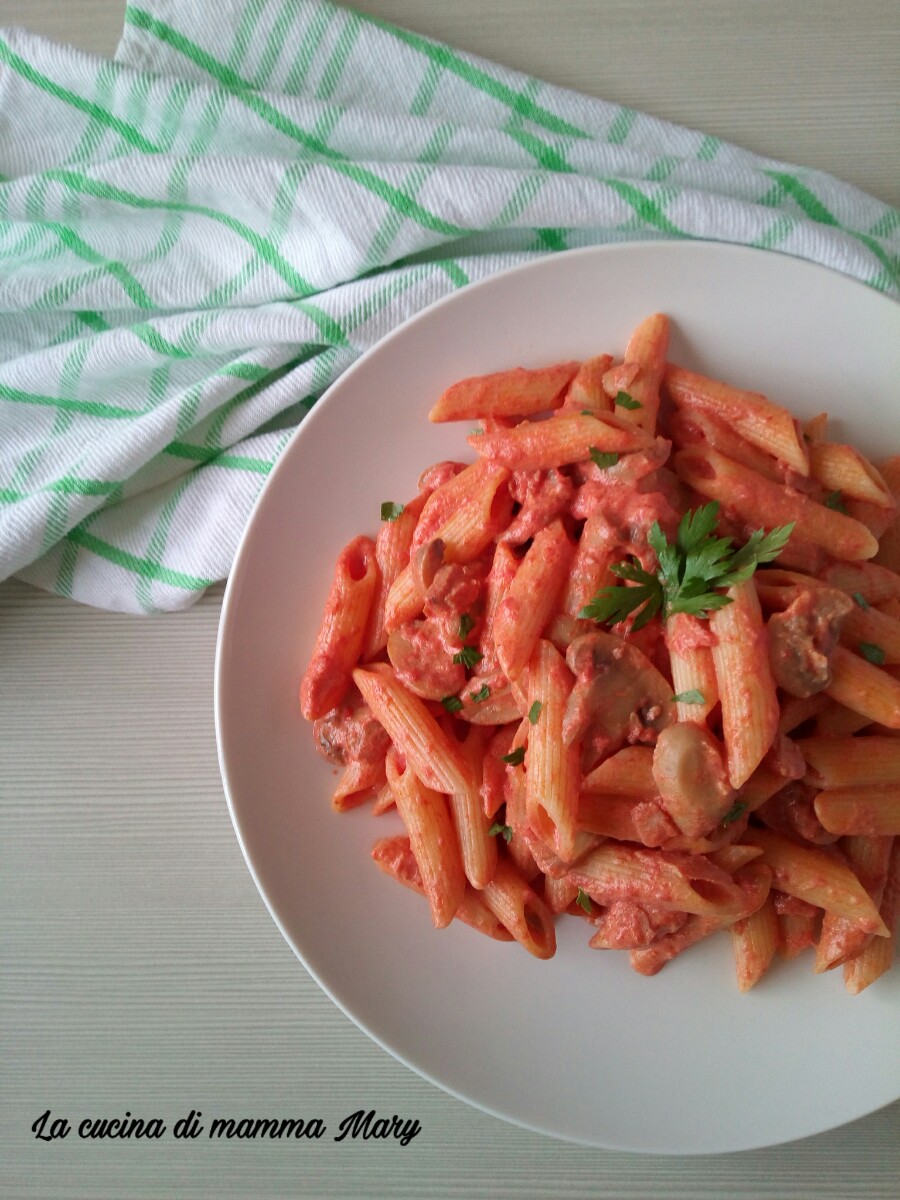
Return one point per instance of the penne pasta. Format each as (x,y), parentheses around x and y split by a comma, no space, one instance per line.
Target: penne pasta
(343,627)
(394,856)
(745,683)
(759,501)
(521,911)
(505,393)
(552,775)
(432,839)
(814,876)
(655,689)
(755,418)
(568,438)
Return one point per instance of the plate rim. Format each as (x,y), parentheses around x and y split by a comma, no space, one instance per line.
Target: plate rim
(234,583)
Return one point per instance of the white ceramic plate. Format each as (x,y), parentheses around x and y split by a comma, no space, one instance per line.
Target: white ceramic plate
(579,1047)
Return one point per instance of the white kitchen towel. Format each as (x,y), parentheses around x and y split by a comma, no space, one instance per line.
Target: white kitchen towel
(197,238)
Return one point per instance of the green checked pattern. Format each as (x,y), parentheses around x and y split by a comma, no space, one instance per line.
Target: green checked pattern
(197,238)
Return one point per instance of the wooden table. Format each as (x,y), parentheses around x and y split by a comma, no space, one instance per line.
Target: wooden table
(141,971)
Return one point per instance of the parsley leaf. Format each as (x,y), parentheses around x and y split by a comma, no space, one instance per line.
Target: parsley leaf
(872,652)
(514,757)
(452,703)
(603,458)
(835,501)
(466,625)
(390,511)
(861,600)
(505,830)
(468,656)
(534,712)
(690,697)
(625,401)
(733,813)
(583,900)
(693,572)
(482,694)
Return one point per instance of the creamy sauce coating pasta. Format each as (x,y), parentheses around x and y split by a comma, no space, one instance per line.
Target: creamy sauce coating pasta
(638,665)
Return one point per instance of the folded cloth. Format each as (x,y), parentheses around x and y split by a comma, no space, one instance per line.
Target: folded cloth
(198,238)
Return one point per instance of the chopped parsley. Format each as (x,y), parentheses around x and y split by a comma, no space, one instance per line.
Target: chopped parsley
(483,693)
(504,830)
(534,712)
(515,757)
(623,400)
(583,900)
(738,810)
(835,501)
(603,458)
(466,625)
(691,572)
(861,600)
(468,656)
(872,652)
(452,703)
(390,511)
(690,697)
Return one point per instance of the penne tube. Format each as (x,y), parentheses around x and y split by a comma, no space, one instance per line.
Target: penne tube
(432,839)
(594,555)
(867,811)
(844,761)
(552,767)
(359,782)
(628,772)
(755,417)
(476,485)
(394,856)
(503,570)
(392,547)
(864,688)
(645,362)
(406,595)
(483,514)
(843,469)
(746,687)
(625,818)
(664,879)
(835,720)
(586,389)
(797,710)
(755,941)
(888,556)
(343,627)
(433,755)
(517,392)
(690,427)
(517,821)
(840,940)
(871,627)
(520,910)
(558,893)
(531,598)
(759,502)
(871,580)
(753,882)
(477,847)
(876,958)
(383,801)
(688,641)
(816,877)
(567,438)
(796,933)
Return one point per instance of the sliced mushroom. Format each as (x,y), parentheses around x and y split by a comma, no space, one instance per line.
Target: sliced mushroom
(619,696)
(691,777)
(803,637)
(423,660)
